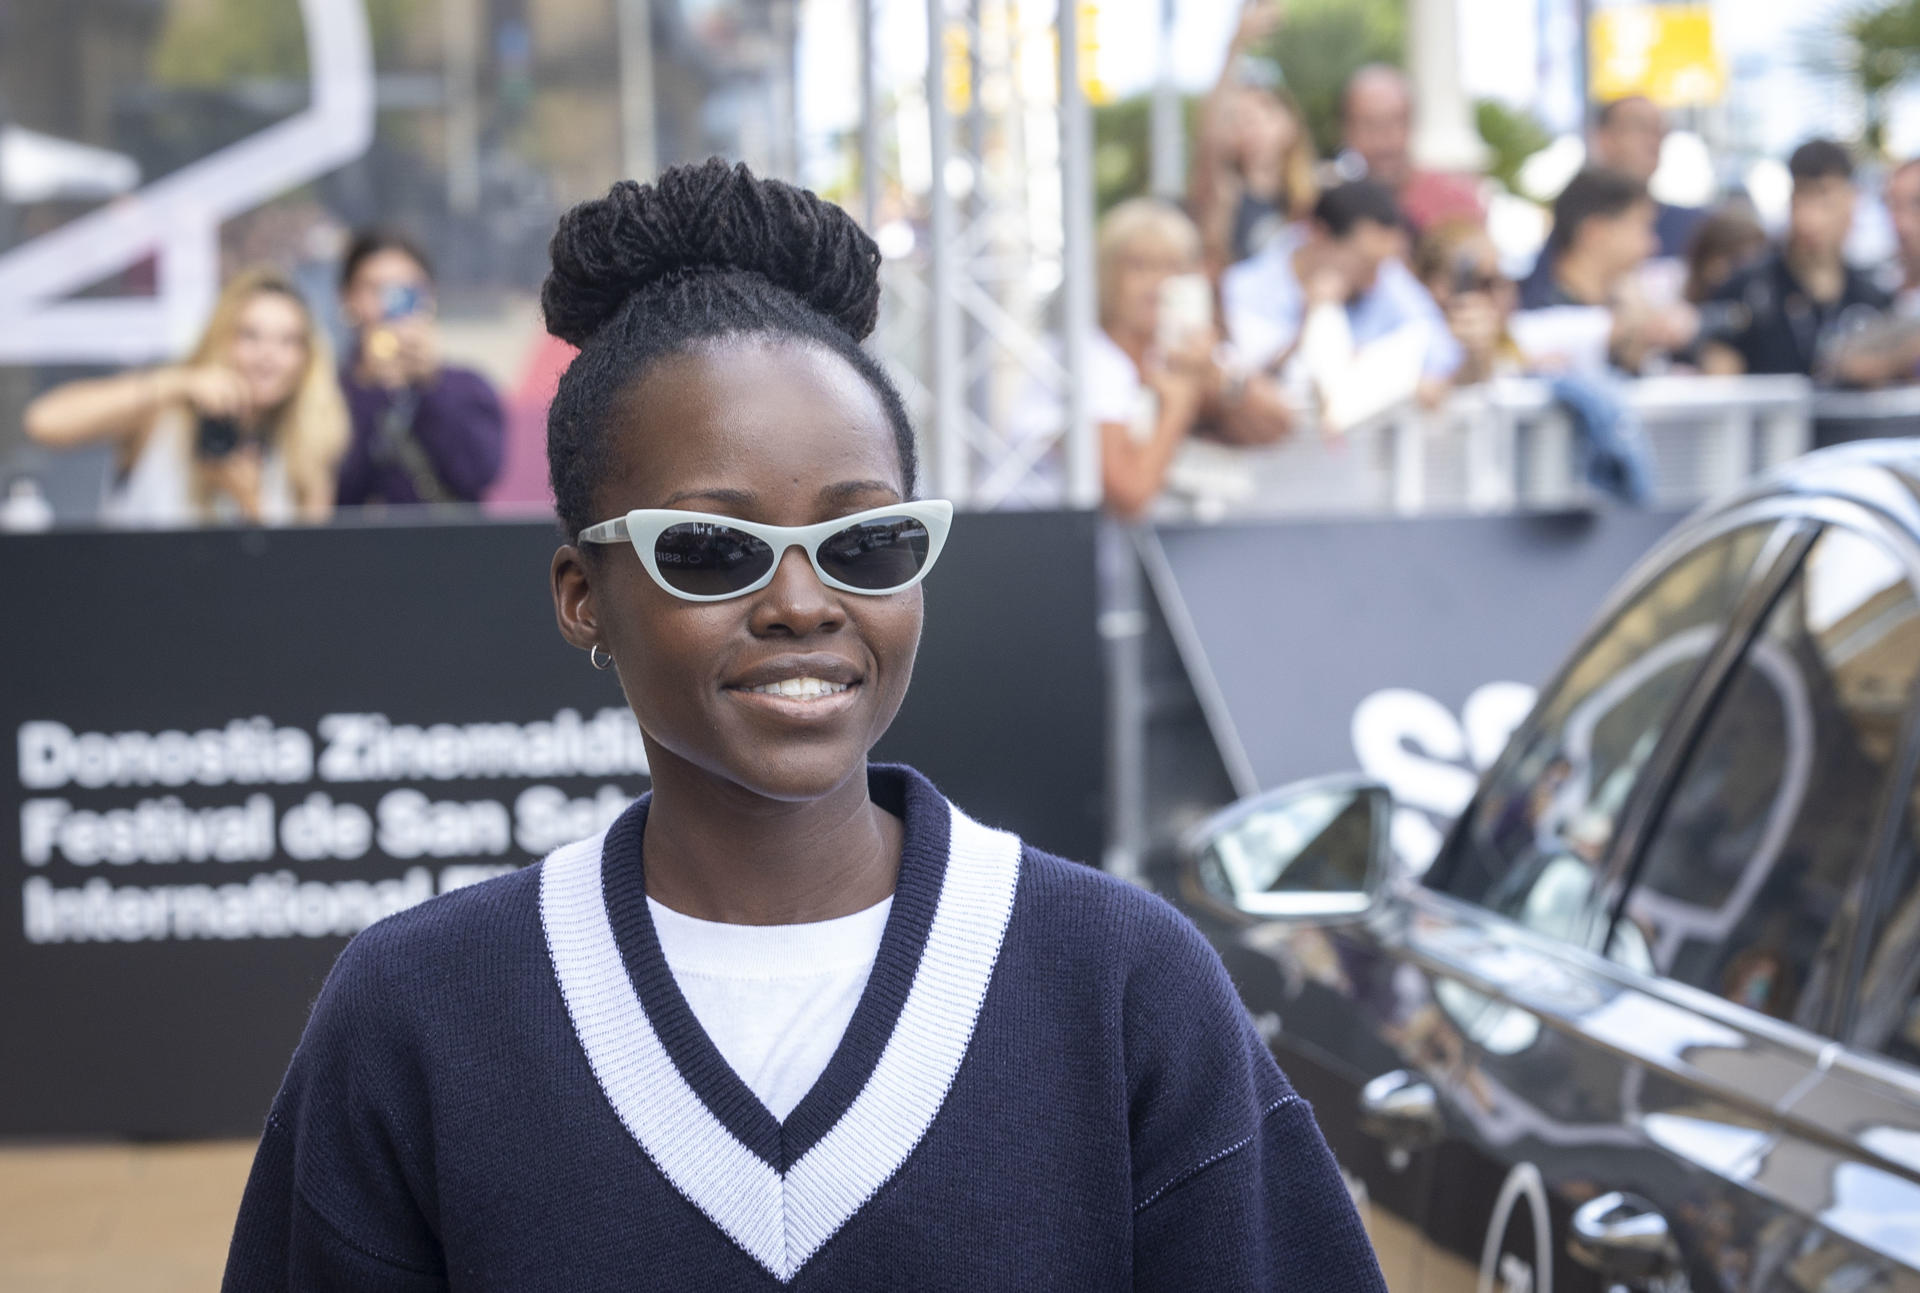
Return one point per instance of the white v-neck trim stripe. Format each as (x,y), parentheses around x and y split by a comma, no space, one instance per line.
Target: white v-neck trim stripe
(781,1221)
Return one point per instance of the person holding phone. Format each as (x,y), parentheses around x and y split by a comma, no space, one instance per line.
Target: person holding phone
(794,1020)
(1460,267)
(424,431)
(250,428)
(1157,371)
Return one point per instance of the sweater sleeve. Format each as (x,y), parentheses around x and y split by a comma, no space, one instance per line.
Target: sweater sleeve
(335,1197)
(461,426)
(1234,1187)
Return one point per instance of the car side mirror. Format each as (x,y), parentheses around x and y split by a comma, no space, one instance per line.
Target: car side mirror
(1312,849)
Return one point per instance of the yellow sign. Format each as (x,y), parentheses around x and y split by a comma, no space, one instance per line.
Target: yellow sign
(1087,33)
(1663,51)
(959,67)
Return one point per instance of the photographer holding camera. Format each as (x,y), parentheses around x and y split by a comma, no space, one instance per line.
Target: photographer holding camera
(249,429)
(423,431)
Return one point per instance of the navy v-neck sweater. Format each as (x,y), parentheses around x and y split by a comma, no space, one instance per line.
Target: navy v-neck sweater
(1048,1083)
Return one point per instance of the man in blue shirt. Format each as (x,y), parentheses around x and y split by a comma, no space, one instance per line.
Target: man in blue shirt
(1351,254)
(1627,135)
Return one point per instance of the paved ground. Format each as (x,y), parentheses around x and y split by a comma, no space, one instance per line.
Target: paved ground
(153,1218)
(156,1218)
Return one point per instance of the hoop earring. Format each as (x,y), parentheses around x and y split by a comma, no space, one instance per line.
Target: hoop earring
(593,654)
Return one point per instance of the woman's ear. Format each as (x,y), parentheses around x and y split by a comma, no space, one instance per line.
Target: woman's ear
(573,598)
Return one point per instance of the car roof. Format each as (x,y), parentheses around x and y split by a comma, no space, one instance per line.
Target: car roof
(1880,474)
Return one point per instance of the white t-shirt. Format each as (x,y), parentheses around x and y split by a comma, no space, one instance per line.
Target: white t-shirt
(156,491)
(1115,392)
(775,999)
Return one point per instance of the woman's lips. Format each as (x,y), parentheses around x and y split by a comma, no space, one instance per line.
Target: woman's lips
(804,698)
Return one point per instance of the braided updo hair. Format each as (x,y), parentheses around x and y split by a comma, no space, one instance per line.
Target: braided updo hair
(705,252)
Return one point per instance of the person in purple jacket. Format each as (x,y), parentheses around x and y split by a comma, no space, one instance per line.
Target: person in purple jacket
(424,431)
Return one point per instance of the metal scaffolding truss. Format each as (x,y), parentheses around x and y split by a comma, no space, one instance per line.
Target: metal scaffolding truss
(986,326)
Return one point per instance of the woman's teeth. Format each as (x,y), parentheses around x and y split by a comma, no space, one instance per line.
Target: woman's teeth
(800,688)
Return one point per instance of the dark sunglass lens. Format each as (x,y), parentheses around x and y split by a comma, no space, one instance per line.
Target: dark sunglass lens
(882,553)
(709,560)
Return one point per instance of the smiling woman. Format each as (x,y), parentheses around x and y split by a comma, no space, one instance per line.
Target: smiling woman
(793,1019)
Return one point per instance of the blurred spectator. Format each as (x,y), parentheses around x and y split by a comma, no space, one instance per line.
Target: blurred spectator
(1349,260)
(1376,129)
(423,431)
(1627,136)
(250,428)
(1147,375)
(1253,159)
(1156,371)
(1460,267)
(1791,311)
(1903,206)
(1593,311)
(1724,243)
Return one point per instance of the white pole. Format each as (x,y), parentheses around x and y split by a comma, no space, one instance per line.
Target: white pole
(1169,159)
(869,124)
(634,20)
(1079,316)
(1444,137)
(949,402)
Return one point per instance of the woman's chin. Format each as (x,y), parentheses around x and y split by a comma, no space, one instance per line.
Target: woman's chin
(801,777)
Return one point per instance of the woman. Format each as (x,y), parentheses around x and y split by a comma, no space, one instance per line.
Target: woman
(1154,379)
(1458,264)
(1254,159)
(792,1020)
(250,428)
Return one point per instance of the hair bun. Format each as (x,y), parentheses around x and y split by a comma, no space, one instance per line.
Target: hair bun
(709,217)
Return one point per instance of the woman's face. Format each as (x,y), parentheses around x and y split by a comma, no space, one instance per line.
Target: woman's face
(1474,266)
(1143,267)
(783,434)
(1267,129)
(269,347)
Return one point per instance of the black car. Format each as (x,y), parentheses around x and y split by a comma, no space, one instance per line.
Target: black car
(1650,1018)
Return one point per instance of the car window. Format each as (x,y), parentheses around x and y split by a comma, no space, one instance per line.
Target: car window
(1887,1017)
(1772,818)
(1538,834)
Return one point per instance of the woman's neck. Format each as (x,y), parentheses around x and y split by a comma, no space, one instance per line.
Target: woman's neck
(1133,344)
(719,852)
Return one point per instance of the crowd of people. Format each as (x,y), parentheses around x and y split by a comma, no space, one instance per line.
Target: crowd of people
(258,425)
(1290,294)
(1289,298)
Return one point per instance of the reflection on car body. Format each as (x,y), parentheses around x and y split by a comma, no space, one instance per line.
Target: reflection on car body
(1663,977)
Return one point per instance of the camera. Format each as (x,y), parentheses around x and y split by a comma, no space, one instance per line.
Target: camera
(216,438)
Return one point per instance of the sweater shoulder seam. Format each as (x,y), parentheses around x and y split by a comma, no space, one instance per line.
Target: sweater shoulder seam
(1181,1178)
(339,1232)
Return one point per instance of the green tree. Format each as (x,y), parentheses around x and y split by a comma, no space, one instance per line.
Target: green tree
(211,44)
(1871,48)
(1511,136)
(1323,42)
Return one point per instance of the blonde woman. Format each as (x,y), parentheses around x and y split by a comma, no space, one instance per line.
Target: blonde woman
(250,428)
(1155,368)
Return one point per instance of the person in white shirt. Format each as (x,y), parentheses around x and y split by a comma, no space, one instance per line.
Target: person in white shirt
(249,429)
(1155,369)
(1349,261)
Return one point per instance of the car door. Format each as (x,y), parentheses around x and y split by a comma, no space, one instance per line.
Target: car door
(1577,1080)
(1827,837)
(1378,1017)
(1743,869)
